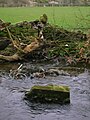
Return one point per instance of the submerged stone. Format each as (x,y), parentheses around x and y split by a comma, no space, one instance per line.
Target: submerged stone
(49,94)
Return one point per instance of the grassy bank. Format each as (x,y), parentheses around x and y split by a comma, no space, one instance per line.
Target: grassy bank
(66,17)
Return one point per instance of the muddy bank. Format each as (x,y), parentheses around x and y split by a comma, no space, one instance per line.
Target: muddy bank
(38,70)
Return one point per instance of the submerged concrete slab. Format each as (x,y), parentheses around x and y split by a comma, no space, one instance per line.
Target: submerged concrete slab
(49,94)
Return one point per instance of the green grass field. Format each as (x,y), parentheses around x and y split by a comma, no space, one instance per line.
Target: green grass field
(66,17)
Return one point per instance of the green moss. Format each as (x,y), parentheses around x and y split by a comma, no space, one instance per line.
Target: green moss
(52,87)
(49,94)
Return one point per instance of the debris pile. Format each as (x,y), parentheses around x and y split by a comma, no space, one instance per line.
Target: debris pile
(41,40)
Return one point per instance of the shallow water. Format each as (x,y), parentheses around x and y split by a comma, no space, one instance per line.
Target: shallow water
(14,107)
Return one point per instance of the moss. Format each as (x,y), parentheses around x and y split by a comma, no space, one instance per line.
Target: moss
(49,94)
(52,87)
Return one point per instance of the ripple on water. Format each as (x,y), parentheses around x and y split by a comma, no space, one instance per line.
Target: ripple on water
(13,107)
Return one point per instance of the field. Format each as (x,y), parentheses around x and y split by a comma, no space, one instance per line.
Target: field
(66,17)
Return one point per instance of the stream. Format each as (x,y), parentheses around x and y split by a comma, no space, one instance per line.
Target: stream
(12,91)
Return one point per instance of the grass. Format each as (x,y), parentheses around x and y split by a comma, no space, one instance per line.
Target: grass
(66,17)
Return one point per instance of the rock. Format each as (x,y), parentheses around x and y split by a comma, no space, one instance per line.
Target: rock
(49,94)
(53,71)
(39,75)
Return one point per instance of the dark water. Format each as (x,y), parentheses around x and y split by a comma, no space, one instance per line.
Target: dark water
(14,107)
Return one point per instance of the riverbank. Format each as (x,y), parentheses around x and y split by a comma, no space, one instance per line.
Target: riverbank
(37,40)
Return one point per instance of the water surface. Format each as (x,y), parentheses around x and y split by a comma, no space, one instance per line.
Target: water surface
(14,107)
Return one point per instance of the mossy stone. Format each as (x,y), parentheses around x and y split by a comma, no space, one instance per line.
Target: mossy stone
(49,94)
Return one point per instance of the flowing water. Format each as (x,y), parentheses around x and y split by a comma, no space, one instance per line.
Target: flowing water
(14,107)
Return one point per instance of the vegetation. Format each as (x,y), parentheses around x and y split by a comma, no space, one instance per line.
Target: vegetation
(59,41)
(66,17)
(40,40)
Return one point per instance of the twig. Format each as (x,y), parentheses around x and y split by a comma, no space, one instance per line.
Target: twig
(13,41)
(9,34)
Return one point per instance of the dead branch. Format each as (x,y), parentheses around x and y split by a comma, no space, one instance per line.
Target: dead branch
(14,57)
(23,52)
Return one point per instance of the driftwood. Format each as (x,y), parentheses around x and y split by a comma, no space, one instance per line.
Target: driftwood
(22,49)
(14,57)
(37,42)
